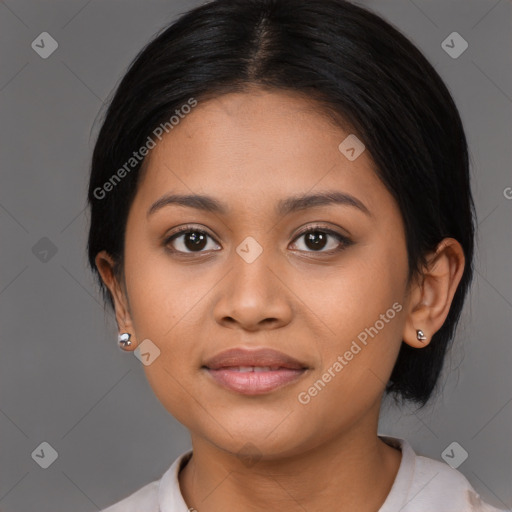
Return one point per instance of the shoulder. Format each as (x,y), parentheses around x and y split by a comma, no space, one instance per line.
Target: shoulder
(146,497)
(445,487)
(424,484)
(162,494)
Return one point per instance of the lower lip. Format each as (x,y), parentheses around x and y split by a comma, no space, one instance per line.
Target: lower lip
(254,383)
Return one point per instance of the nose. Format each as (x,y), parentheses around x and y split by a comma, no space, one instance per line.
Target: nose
(254,295)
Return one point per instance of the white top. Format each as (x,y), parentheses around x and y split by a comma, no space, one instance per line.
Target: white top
(421,485)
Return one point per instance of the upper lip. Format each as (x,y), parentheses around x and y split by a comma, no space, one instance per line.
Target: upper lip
(260,357)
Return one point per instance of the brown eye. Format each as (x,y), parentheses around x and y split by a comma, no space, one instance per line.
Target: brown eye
(316,239)
(188,240)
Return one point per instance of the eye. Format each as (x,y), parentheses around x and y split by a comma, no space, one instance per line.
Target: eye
(316,239)
(188,239)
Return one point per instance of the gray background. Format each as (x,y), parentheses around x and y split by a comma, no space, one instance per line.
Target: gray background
(62,378)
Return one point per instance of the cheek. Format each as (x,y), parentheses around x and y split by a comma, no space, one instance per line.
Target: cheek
(370,281)
(159,289)
(166,308)
(364,309)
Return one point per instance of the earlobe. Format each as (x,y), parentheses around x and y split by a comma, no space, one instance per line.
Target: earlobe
(431,296)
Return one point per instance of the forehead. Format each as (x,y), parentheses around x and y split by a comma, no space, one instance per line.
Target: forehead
(249,148)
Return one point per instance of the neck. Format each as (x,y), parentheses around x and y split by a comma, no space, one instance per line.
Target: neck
(355,470)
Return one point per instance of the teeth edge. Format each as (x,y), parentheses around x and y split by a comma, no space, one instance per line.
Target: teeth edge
(255,368)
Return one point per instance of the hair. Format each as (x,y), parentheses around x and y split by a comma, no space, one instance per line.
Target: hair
(359,70)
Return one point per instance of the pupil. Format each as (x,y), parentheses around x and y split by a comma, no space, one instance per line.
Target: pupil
(316,239)
(197,239)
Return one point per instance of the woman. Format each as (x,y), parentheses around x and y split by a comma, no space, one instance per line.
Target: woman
(281,217)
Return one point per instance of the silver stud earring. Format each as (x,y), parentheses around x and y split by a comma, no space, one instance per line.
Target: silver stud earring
(420,335)
(124,339)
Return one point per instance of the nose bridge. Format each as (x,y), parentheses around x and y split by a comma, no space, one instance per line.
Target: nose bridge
(251,263)
(253,292)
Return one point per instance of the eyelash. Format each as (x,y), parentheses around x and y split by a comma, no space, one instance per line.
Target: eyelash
(344,241)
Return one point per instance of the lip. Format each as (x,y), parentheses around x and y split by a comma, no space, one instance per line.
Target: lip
(255,357)
(271,370)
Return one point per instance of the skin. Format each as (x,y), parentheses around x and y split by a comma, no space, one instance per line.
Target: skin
(250,150)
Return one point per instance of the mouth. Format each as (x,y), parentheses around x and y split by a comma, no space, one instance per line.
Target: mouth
(254,372)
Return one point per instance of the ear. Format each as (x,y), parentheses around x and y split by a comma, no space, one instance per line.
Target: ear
(431,294)
(105,266)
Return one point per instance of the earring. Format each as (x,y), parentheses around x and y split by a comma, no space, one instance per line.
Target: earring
(420,335)
(124,340)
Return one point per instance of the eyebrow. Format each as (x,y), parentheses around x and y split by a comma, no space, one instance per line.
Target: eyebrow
(283,207)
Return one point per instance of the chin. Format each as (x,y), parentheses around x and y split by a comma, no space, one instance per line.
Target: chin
(269,440)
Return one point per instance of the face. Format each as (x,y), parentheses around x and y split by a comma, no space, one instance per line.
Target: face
(324,283)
